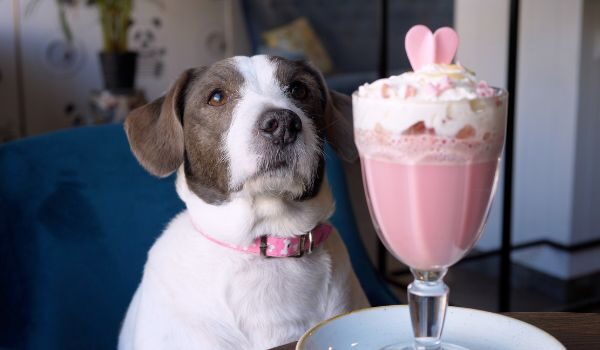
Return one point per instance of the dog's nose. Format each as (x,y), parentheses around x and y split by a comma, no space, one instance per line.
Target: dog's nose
(280,126)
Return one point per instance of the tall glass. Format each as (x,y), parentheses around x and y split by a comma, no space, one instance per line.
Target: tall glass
(430,170)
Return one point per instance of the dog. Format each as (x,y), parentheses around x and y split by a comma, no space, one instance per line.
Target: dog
(246,137)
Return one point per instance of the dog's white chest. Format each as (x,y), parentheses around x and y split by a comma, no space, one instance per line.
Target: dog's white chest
(208,296)
(281,298)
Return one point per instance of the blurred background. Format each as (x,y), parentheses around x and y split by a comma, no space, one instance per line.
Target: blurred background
(53,77)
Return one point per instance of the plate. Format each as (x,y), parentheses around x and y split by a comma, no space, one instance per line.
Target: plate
(377,327)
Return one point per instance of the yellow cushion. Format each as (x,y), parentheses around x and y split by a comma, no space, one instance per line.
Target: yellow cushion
(299,36)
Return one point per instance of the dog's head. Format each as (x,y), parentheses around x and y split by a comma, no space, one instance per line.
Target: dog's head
(256,124)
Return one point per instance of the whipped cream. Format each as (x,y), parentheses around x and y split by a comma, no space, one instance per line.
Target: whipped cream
(446,100)
(434,82)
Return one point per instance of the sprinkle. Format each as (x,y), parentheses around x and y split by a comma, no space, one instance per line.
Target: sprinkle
(484,90)
(417,128)
(385,91)
(466,132)
(381,134)
(441,86)
(410,91)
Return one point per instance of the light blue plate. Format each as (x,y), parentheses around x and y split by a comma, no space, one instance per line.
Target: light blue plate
(374,328)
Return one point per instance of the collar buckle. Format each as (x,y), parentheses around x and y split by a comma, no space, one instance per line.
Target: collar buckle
(263,247)
(302,249)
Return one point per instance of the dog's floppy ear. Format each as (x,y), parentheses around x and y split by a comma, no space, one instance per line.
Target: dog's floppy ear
(155,130)
(338,118)
(338,124)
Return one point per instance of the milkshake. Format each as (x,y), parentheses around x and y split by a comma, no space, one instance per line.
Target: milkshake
(430,142)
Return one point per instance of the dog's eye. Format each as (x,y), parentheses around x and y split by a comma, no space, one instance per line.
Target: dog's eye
(217,98)
(298,90)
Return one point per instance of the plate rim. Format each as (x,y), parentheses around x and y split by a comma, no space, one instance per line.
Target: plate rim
(319,325)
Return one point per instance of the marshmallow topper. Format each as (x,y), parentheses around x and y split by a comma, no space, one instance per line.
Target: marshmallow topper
(424,47)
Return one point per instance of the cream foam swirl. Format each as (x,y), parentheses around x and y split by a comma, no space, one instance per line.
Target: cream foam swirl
(446,100)
(434,82)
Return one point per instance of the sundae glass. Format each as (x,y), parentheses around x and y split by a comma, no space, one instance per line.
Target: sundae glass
(430,142)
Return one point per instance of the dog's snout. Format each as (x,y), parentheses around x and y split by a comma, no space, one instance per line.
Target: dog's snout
(281,127)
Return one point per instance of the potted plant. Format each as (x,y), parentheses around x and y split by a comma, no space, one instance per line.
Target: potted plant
(117,61)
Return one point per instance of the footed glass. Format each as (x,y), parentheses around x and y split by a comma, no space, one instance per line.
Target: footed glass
(429,188)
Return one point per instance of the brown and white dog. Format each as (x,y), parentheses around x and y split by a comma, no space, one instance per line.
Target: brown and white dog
(246,137)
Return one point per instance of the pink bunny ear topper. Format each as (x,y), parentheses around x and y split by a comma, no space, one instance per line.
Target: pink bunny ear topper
(424,47)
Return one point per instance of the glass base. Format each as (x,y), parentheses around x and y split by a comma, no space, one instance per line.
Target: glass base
(444,346)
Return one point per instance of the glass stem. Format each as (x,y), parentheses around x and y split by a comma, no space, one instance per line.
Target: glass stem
(428,301)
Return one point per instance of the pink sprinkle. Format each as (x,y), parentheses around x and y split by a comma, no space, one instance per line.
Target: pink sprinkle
(410,91)
(484,90)
(385,91)
(441,86)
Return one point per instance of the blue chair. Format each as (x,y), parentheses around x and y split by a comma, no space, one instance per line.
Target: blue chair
(77,217)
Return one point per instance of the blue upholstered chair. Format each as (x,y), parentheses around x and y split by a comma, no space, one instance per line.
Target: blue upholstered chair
(77,217)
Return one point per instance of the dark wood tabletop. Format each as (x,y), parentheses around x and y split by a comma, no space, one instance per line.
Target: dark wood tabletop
(577,331)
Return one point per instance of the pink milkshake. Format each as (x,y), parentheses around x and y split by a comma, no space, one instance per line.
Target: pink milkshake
(429,143)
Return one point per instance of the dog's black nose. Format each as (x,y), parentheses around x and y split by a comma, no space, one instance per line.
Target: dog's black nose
(280,126)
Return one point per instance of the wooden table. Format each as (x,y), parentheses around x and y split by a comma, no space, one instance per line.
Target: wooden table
(577,331)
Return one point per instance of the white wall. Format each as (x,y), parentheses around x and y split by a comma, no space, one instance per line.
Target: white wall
(548,64)
(546,122)
(50,84)
(483,29)
(586,199)
(556,192)
(586,208)
(191,32)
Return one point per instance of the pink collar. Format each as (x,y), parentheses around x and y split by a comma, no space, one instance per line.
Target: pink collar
(278,247)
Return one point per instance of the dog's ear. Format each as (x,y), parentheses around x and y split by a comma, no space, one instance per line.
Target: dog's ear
(338,125)
(155,130)
(338,118)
